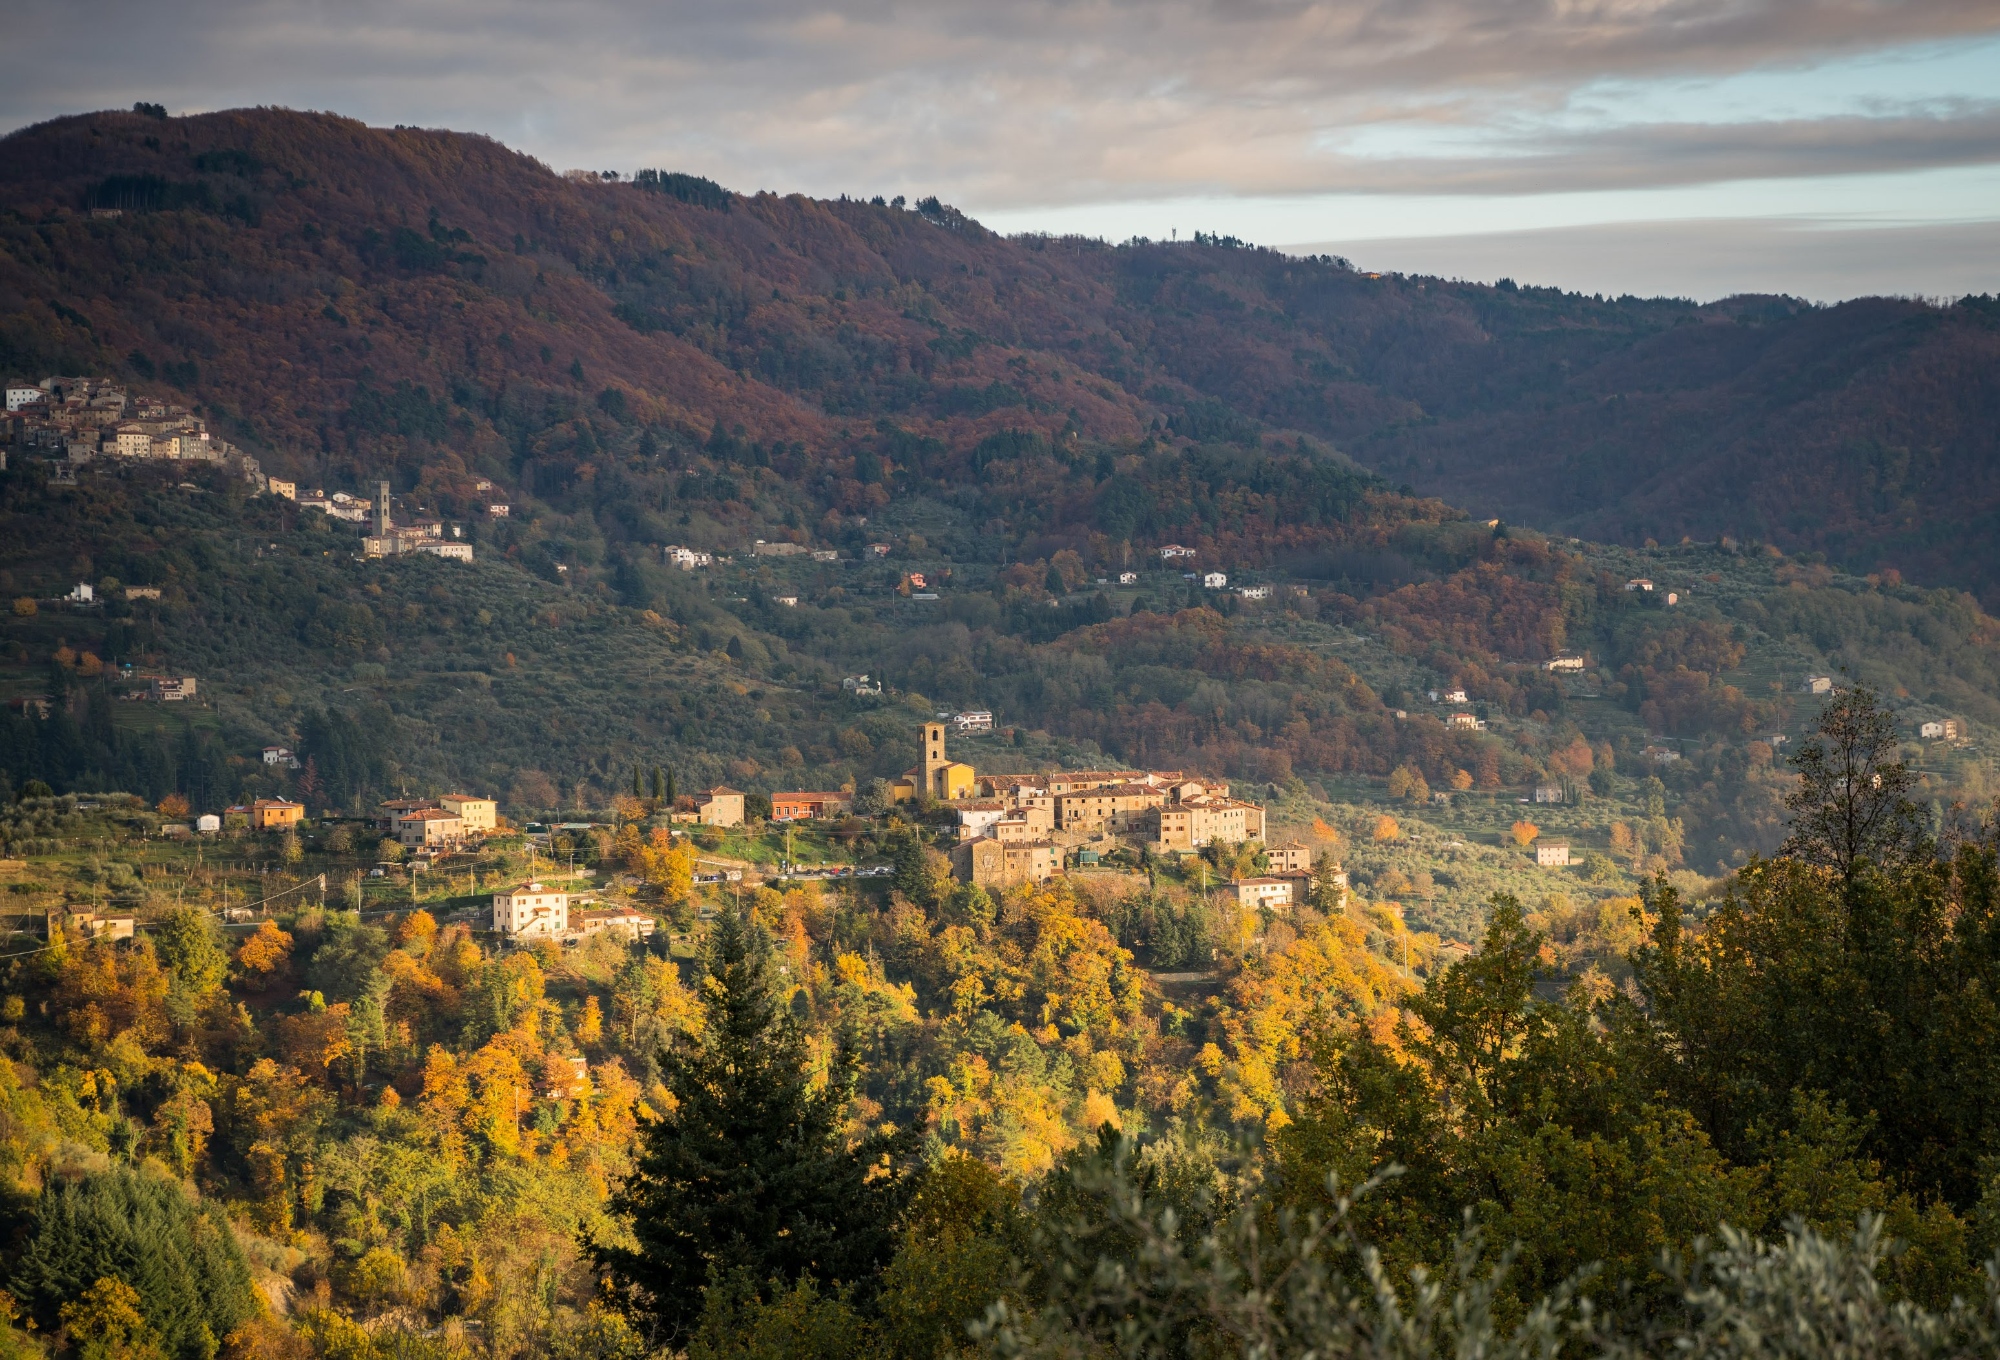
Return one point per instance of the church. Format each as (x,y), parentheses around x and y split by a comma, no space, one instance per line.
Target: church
(939,776)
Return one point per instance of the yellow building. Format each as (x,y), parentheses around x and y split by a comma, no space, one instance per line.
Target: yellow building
(939,777)
(480,815)
(274,814)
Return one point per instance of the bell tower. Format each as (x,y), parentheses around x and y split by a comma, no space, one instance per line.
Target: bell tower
(934,759)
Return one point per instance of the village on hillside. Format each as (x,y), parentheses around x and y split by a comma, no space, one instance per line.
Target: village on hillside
(1010,829)
(1015,828)
(73,421)
(77,420)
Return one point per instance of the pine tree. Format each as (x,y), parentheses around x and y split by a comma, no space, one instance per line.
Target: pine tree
(749,1176)
(192,1283)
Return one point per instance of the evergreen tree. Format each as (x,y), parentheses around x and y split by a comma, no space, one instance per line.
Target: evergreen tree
(749,1177)
(659,786)
(1327,895)
(193,1285)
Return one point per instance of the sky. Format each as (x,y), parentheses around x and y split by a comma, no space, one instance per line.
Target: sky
(1824,148)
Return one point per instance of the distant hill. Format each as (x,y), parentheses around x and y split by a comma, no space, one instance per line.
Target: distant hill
(674,361)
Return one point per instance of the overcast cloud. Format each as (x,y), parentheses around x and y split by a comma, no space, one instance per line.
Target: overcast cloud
(1073,112)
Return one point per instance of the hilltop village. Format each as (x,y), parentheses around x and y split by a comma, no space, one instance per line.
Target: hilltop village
(68,422)
(1031,827)
(77,420)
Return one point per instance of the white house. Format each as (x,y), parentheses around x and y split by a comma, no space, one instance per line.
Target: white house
(973,720)
(1456,695)
(1128,578)
(499,511)
(1817,684)
(978,817)
(83,594)
(1173,550)
(1568,662)
(1548,793)
(17,397)
(1254,592)
(280,755)
(1639,583)
(1213,580)
(533,909)
(687,559)
(1552,854)
(208,823)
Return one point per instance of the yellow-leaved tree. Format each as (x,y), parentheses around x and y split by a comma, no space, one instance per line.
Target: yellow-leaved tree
(1322,983)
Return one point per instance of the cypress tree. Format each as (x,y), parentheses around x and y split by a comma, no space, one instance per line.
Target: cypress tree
(659,786)
(749,1177)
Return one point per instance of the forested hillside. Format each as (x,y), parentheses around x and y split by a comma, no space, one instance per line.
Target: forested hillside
(311,1108)
(353,300)
(908,1118)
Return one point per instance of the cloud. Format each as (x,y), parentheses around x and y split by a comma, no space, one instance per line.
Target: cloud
(1705,260)
(1000,105)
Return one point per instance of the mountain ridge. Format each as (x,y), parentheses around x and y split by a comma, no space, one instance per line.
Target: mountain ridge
(352,299)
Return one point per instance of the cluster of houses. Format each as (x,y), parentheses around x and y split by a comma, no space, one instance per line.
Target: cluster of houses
(390,539)
(431,824)
(1015,828)
(543,911)
(264,814)
(80,419)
